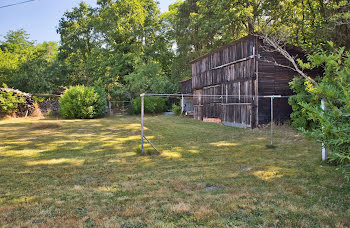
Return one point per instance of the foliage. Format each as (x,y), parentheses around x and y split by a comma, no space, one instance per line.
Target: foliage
(199,26)
(128,46)
(27,66)
(9,102)
(111,44)
(300,116)
(82,102)
(333,129)
(148,78)
(176,109)
(77,42)
(152,105)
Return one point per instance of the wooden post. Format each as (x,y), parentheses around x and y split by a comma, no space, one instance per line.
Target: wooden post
(324,150)
(142,117)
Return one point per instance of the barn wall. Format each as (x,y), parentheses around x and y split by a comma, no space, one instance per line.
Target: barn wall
(237,78)
(198,104)
(274,80)
(186,86)
(241,75)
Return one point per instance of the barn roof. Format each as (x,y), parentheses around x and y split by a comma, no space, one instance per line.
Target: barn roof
(288,46)
(223,47)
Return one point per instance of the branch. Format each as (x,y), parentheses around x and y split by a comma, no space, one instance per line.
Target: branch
(277,47)
(279,65)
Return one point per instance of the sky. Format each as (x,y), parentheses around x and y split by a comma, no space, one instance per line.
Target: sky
(40,18)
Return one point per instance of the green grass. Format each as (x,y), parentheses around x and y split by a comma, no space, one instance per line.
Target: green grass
(86,173)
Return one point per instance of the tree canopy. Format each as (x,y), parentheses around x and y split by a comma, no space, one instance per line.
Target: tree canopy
(129,46)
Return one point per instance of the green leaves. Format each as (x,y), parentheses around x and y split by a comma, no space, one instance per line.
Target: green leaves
(82,102)
(27,66)
(333,123)
(9,102)
(108,45)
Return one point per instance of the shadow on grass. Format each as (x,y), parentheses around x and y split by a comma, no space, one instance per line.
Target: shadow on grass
(92,165)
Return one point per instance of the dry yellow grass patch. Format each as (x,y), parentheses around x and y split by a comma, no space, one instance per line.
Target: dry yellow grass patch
(205,213)
(181,208)
(85,173)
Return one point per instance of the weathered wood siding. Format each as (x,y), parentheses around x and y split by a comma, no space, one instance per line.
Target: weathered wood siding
(274,80)
(186,86)
(237,78)
(198,104)
(245,70)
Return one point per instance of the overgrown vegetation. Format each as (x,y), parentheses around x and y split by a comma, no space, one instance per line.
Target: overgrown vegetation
(9,102)
(128,47)
(330,126)
(151,105)
(176,109)
(83,102)
(73,173)
(300,117)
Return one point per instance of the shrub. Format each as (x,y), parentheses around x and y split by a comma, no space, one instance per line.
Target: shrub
(82,102)
(333,129)
(176,109)
(300,117)
(152,105)
(9,102)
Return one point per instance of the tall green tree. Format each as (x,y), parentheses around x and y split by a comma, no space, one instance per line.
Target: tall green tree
(103,45)
(197,27)
(78,39)
(28,66)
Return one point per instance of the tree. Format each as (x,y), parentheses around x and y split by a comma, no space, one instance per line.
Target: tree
(198,27)
(104,45)
(334,128)
(78,38)
(27,66)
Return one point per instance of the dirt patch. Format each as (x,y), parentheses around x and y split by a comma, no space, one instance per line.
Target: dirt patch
(211,188)
(245,169)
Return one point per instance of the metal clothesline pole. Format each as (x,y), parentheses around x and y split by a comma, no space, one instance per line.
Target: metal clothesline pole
(271,142)
(324,149)
(271,130)
(272,97)
(205,95)
(182,104)
(142,118)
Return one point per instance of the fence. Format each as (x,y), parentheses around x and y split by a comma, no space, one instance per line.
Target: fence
(119,107)
(219,101)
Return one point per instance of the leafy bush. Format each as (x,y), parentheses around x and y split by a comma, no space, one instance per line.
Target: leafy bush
(300,117)
(149,78)
(82,103)
(9,102)
(334,128)
(176,109)
(152,105)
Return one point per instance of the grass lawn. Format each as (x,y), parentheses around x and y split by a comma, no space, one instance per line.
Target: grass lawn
(86,173)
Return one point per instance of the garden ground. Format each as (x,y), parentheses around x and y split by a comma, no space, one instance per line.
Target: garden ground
(86,173)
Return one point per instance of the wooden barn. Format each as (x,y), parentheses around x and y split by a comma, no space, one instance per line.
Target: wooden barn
(246,70)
